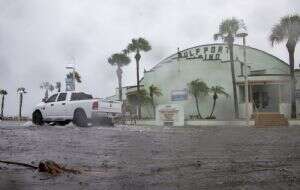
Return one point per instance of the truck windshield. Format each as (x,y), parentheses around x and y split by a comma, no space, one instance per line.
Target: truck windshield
(80,96)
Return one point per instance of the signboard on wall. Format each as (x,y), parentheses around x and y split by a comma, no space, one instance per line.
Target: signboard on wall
(209,52)
(179,95)
(169,115)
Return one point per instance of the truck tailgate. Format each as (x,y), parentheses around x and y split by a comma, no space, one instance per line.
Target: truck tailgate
(110,106)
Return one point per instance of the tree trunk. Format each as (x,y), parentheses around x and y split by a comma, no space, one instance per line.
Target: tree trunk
(2,105)
(153,106)
(213,108)
(119,74)
(46,94)
(291,49)
(236,108)
(137,59)
(20,106)
(197,106)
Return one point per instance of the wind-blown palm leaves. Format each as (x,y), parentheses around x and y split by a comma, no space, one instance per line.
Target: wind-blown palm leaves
(3,93)
(227,32)
(216,91)
(288,29)
(21,91)
(120,60)
(77,76)
(136,46)
(154,91)
(198,88)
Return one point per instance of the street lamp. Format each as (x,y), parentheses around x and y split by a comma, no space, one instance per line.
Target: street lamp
(243,34)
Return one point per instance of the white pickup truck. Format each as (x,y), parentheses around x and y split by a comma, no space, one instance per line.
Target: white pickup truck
(78,107)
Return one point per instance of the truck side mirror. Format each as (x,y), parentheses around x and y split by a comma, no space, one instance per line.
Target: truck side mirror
(44,100)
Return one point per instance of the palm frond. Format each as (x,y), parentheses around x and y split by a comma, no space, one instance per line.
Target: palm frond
(198,88)
(119,59)
(229,27)
(287,28)
(154,91)
(219,90)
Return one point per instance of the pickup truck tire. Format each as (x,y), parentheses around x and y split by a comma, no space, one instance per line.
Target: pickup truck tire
(80,118)
(37,118)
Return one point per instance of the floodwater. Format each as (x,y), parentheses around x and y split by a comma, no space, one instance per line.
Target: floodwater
(131,157)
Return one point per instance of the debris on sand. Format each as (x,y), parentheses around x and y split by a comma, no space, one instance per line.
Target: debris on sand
(47,166)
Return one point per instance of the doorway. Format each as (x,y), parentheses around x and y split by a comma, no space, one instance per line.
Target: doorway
(265,98)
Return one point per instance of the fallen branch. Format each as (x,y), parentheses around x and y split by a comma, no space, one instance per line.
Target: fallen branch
(19,164)
(48,166)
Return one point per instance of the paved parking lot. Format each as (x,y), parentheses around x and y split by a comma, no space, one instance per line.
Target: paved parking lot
(127,157)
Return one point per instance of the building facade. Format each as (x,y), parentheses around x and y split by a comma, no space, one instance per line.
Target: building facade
(268,81)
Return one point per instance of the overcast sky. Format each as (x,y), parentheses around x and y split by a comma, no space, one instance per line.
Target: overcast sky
(38,37)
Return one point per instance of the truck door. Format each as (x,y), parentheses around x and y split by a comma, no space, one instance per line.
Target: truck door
(60,105)
(50,106)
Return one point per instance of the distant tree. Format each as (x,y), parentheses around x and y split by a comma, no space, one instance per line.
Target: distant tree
(288,29)
(227,32)
(58,86)
(136,46)
(47,86)
(51,88)
(120,60)
(21,91)
(154,91)
(3,93)
(216,91)
(77,76)
(198,89)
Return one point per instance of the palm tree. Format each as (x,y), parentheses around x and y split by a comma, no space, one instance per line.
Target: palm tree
(58,86)
(119,59)
(51,88)
(136,46)
(154,91)
(21,91)
(227,32)
(198,88)
(288,29)
(216,91)
(3,93)
(46,87)
(77,76)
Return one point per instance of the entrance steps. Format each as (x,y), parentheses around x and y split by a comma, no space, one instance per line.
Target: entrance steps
(269,119)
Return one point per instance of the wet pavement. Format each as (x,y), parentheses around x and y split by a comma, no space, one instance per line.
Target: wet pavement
(131,157)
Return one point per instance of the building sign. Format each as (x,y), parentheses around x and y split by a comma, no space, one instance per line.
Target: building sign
(169,115)
(212,52)
(179,95)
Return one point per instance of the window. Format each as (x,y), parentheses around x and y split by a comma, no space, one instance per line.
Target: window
(80,96)
(52,98)
(62,97)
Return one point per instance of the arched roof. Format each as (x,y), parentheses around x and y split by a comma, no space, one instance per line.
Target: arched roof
(175,55)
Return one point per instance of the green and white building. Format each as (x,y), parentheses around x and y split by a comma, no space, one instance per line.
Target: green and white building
(268,81)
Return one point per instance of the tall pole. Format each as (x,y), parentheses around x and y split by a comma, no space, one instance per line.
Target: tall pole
(246,83)
(74,82)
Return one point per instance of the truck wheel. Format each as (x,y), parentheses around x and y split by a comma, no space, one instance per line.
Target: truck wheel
(80,118)
(37,118)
